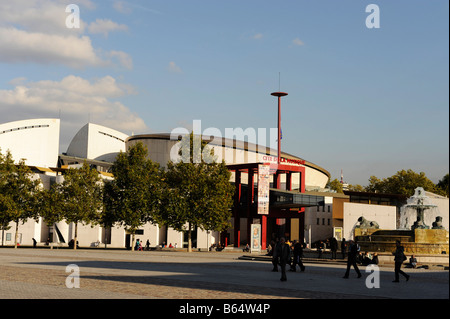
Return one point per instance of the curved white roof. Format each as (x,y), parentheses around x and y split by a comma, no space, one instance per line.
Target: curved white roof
(97,142)
(35,140)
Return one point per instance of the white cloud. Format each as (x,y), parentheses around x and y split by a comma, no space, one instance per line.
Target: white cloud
(76,98)
(297,41)
(40,16)
(124,58)
(35,31)
(173,68)
(122,7)
(22,46)
(104,26)
(127,7)
(258,36)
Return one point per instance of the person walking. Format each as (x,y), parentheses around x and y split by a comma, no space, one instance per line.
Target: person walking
(320,248)
(343,247)
(282,255)
(333,247)
(399,258)
(274,258)
(136,245)
(298,254)
(351,261)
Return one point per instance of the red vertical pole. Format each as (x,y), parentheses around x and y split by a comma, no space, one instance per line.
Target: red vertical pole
(279,95)
(279,129)
(236,208)
(263,232)
(250,199)
(277,174)
(238,239)
(289,181)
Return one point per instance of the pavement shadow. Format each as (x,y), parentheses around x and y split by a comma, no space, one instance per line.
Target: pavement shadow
(245,277)
(209,276)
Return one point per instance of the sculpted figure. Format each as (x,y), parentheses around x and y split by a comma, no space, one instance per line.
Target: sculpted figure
(437,224)
(364,223)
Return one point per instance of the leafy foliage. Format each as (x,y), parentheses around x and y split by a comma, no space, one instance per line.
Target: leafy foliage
(133,198)
(81,196)
(197,193)
(403,182)
(17,189)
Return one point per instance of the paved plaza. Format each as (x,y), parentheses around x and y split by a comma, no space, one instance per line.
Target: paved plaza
(120,274)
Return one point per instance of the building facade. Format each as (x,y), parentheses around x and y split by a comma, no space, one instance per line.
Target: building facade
(36,141)
(295,211)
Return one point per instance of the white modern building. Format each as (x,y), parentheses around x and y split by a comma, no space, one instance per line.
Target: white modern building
(162,148)
(36,141)
(96,142)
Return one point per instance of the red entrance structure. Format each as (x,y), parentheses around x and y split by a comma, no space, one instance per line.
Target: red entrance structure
(284,204)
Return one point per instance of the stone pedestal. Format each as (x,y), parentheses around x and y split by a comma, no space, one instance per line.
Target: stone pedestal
(418,241)
(431,236)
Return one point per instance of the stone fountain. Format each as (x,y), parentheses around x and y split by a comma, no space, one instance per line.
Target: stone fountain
(420,208)
(414,233)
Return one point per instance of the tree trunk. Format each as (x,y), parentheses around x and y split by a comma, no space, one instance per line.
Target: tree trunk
(17,234)
(189,239)
(75,237)
(132,241)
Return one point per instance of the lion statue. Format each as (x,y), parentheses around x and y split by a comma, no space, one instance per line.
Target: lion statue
(364,223)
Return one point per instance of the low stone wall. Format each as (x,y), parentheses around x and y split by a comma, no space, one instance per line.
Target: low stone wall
(410,248)
(418,241)
(431,236)
(421,259)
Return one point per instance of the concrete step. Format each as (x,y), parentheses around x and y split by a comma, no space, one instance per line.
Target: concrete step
(308,260)
(305,260)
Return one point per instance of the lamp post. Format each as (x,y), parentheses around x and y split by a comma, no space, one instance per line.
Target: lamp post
(279,95)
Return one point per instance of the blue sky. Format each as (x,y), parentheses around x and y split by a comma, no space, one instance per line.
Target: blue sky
(367,101)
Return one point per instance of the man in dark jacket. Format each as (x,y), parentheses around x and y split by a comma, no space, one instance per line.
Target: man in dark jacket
(399,258)
(343,247)
(353,250)
(282,255)
(298,254)
(333,247)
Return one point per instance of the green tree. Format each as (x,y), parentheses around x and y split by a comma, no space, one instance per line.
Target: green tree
(6,213)
(443,185)
(336,186)
(18,189)
(50,205)
(6,203)
(109,216)
(133,198)
(356,188)
(403,182)
(81,197)
(197,190)
(375,185)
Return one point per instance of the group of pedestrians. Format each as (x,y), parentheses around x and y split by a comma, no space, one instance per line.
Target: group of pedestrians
(138,245)
(284,254)
(399,258)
